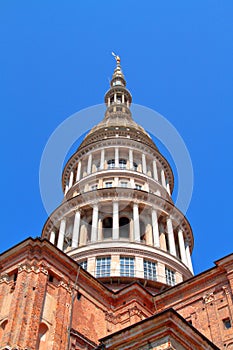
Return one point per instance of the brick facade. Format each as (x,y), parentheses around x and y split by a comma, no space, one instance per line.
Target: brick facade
(48,301)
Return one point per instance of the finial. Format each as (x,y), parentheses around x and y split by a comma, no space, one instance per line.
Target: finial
(117,58)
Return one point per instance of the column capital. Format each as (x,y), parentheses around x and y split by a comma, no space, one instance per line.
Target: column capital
(78,210)
(95,204)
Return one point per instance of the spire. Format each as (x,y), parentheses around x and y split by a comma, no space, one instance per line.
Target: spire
(118,76)
(118,94)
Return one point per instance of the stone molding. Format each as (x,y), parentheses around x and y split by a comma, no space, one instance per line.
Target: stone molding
(119,316)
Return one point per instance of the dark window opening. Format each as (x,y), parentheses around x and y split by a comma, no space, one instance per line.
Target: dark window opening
(15,276)
(227,323)
(50,278)
(79,295)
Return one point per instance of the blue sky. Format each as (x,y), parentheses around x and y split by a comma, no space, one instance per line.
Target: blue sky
(177,58)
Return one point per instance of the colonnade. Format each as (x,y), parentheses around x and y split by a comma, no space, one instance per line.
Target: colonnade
(118,99)
(86,166)
(156,239)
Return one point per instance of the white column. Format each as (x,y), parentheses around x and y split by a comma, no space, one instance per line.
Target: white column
(144,170)
(52,237)
(171,240)
(163,178)
(116,181)
(89,164)
(94,226)
(189,261)
(155,228)
(168,189)
(116,158)
(115,98)
(67,187)
(155,170)
(75,235)
(71,179)
(102,156)
(78,175)
(182,247)
(61,234)
(136,223)
(132,183)
(130,159)
(115,221)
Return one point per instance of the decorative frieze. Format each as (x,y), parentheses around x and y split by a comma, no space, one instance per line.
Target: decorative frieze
(135,311)
(34,267)
(114,319)
(65,285)
(208,298)
(5,278)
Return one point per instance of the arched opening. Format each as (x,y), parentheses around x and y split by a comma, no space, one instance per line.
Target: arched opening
(107,228)
(2,328)
(43,331)
(142,232)
(124,227)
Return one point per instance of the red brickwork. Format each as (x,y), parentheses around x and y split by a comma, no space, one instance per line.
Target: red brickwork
(205,301)
(49,291)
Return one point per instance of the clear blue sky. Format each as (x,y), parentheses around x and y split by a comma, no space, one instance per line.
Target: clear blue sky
(177,58)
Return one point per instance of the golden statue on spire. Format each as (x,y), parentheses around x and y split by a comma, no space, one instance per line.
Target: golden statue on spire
(117,58)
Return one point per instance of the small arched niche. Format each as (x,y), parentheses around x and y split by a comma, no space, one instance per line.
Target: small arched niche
(43,334)
(2,327)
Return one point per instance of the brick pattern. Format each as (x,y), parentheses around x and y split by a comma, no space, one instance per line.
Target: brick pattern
(33,299)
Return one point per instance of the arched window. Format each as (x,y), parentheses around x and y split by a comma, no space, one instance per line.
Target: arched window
(122,163)
(107,228)
(124,227)
(111,164)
